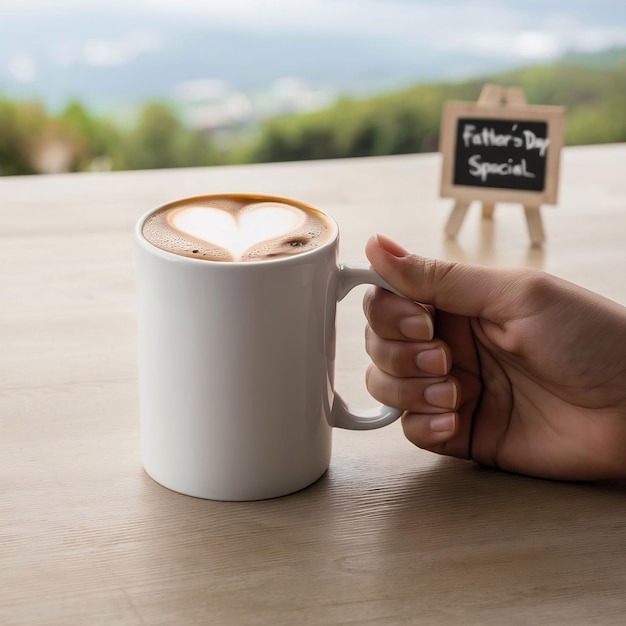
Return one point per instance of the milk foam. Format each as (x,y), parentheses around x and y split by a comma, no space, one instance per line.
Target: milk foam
(236,228)
(237,232)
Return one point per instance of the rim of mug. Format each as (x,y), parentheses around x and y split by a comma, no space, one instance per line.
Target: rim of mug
(141,239)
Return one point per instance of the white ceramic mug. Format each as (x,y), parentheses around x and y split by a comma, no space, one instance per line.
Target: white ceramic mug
(236,369)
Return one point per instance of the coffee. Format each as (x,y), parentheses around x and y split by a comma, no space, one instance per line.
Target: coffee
(237,227)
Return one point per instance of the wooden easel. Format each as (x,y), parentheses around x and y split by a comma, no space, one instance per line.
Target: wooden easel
(495,95)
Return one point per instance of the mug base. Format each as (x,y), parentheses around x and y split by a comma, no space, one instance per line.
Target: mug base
(223,495)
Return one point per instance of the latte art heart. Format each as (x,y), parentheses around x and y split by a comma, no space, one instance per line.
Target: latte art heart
(237,227)
(238,232)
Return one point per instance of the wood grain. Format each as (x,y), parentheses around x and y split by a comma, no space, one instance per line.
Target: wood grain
(390,535)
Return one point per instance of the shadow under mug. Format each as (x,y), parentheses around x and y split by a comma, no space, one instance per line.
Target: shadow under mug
(236,368)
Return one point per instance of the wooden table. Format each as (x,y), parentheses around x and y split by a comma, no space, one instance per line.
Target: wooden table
(391,535)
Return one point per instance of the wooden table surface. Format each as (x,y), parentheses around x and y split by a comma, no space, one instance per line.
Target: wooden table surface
(390,535)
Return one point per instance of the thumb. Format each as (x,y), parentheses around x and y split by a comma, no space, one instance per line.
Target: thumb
(458,288)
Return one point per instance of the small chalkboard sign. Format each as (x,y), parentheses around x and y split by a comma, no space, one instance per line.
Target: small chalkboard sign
(500,149)
(501,153)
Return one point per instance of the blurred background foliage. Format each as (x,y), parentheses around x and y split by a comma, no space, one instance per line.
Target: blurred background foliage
(33,140)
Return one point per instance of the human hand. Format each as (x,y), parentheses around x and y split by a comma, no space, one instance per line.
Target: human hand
(526,372)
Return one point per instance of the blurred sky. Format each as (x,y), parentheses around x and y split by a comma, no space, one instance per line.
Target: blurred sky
(39,38)
(526,28)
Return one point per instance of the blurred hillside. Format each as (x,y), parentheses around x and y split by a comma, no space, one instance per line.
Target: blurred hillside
(32,140)
(591,87)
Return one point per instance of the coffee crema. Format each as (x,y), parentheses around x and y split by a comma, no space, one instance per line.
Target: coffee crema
(234,227)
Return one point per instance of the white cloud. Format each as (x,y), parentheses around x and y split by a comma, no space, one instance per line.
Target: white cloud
(22,68)
(115,52)
(506,44)
(592,39)
(490,28)
(201,89)
(536,45)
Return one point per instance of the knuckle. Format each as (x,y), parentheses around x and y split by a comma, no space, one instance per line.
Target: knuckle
(368,378)
(370,381)
(370,338)
(396,361)
(534,286)
(375,306)
(399,399)
(407,395)
(433,275)
(368,302)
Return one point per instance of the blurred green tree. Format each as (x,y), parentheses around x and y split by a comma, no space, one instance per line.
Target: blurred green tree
(407,121)
(160,140)
(20,126)
(96,143)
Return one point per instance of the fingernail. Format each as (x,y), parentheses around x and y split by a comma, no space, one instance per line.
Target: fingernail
(433,361)
(392,247)
(442,423)
(442,395)
(417,327)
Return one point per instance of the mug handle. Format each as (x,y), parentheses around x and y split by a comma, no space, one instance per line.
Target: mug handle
(343,415)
